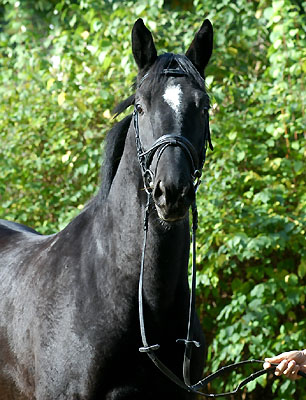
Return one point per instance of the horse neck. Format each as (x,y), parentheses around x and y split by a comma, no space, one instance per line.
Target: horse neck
(167,247)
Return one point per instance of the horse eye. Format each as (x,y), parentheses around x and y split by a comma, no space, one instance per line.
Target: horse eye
(139,109)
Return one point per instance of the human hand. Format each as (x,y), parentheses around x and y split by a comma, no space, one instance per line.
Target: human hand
(289,363)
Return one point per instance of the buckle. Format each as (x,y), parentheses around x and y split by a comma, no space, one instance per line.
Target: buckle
(148,349)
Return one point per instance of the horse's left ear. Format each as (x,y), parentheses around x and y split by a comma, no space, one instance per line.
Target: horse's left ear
(201,47)
(143,47)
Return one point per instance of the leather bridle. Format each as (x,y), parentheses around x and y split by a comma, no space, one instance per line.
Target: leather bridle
(145,158)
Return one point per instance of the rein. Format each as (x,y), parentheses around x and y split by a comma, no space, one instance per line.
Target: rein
(145,158)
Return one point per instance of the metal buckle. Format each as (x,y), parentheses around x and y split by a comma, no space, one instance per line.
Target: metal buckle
(148,349)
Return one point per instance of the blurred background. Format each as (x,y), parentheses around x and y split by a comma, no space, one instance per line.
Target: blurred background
(65,64)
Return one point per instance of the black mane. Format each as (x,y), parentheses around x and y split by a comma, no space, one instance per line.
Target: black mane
(115,141)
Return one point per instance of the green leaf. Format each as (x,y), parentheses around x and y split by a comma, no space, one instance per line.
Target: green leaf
(302,268)
(240,156)
(268,13)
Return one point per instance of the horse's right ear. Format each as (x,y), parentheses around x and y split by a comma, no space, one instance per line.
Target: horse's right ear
(143,47)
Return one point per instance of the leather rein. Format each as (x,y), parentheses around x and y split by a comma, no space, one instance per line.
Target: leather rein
(145,158)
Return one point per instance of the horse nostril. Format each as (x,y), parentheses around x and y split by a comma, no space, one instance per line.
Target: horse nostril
(159,192)
(164,195)
(188,192)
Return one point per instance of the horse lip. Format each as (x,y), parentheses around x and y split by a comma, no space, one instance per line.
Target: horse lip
(168,216)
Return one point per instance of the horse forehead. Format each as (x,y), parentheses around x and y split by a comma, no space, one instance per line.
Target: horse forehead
(177,95)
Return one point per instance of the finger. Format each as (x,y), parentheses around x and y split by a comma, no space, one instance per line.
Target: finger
(280,357)
(281,367)
(275,359)
(290,367)
(294,373)
(266,365)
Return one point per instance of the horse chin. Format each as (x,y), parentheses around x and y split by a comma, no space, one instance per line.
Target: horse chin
(170,217)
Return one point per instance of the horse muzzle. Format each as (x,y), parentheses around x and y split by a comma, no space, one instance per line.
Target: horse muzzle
(172,202)
(170,184)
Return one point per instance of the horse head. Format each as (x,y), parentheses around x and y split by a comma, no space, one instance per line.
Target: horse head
(171,119)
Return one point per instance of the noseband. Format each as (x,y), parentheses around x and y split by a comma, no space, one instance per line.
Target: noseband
(145,158)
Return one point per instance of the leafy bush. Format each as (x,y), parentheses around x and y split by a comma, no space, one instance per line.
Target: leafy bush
(65,64)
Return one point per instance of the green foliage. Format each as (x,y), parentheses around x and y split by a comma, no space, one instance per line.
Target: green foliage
(252,238)
(64,66)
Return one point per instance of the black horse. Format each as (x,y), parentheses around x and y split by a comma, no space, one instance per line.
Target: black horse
(69,324)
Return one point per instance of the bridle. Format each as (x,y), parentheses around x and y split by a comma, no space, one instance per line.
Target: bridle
(145,158)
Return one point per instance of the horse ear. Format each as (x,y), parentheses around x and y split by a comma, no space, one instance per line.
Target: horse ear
(143,47)
(201,47)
